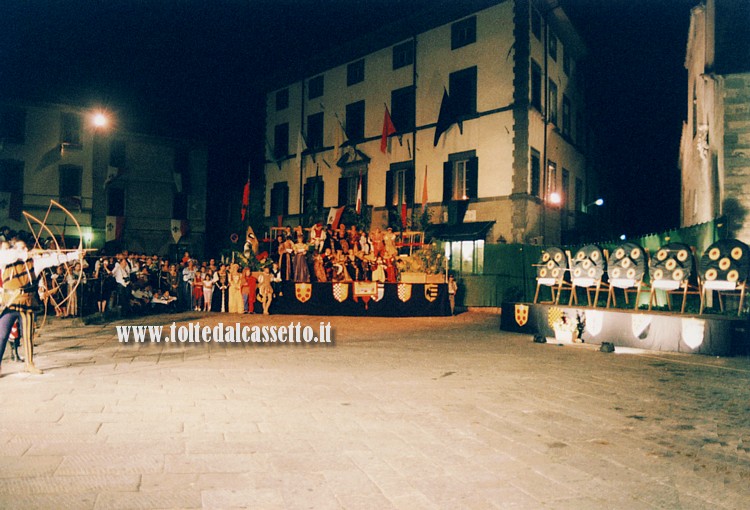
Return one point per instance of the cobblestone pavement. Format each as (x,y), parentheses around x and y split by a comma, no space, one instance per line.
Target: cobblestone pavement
(397,413)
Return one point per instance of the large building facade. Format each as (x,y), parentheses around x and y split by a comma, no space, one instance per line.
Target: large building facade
(715,146)
(125,190)
(499,80)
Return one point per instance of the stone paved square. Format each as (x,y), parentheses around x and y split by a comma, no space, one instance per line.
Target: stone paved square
(405,413)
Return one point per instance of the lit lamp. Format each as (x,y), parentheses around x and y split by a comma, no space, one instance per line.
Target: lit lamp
(100,120)
(598,202)
(555,198)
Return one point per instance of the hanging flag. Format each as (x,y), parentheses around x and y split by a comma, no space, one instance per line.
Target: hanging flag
(424,191)
(114,228)
(447,117)
(403,215)
(388,130)
(279,220)
(339,139)
(245,199)
(179,229)
(301,147)
(359,195)
(334,216)
(4,205)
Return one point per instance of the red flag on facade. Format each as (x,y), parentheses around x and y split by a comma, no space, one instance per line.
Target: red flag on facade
(388,130)
(359,195)
(245,199)
(403,215)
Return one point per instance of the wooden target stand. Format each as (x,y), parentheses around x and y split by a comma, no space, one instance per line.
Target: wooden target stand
(671,269)
(587,271)
(724,269)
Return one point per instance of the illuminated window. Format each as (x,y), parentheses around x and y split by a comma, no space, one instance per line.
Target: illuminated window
(465,257)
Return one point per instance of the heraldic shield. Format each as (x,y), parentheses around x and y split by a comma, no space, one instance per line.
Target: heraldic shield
(303,291)
(431,292)
(404,292)
(340,291)
(522,314)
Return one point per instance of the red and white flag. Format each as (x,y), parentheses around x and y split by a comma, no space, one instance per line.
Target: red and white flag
(359,195)
(388,130)
(334,216)
(114,228)
(179,228)
(424,191)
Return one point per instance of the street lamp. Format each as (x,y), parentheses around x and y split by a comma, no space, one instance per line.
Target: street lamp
(100,120)
(598,202)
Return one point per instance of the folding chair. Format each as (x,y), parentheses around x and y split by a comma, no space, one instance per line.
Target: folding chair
(671,270)
(724,269)
(627,267)
(550,272)
(587,271)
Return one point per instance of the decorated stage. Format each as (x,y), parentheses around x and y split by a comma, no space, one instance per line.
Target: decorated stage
(659,331)
(362,298)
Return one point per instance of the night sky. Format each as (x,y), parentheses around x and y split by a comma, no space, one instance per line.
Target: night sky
(198,69)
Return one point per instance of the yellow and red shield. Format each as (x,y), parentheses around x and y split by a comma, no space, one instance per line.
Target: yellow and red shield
(303,291)
(431,291)
(522,314)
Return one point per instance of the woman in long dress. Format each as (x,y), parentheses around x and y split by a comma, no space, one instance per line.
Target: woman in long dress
(235,290)
(286,248)
(301,271)
(208,290)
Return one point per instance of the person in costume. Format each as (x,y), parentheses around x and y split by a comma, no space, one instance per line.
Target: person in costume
(389,238)
(20,271)
(265,289)
(235,289)
(301,270)
(208,290)
(286,248)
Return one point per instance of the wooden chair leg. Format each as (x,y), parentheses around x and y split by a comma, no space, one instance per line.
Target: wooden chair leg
(536,294)
(703,301)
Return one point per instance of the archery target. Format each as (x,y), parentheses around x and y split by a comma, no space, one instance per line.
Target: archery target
(588,263)
(552,264)
(673,261)
(627,261)
(726,260)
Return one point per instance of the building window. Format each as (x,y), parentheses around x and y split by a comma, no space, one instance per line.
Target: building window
(349,184)
(281,140)
(465,257)
(315,131)
(403,108)
(399,185)
(566,62)
(282,99)
(313,195)
(180,206)
(71,129)
(355,120)
(579,195)
(279,199)
(536,167)
(355,72)
(13,125)
(463,33)
(552,46)
(566,116)
(536,24)
(552,102)
(536,86)
(463,91)
(551,179)
(11,187)
(403,54)
(565,189)
(460,175)
(116,201)
(70,182)
(315,87)
(117,153)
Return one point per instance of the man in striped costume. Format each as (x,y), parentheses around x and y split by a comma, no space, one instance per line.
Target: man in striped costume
(20,270)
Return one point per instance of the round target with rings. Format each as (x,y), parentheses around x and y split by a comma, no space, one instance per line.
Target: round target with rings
(673,261)
(590,260)
(628,260)
(552,264)
(726,260)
